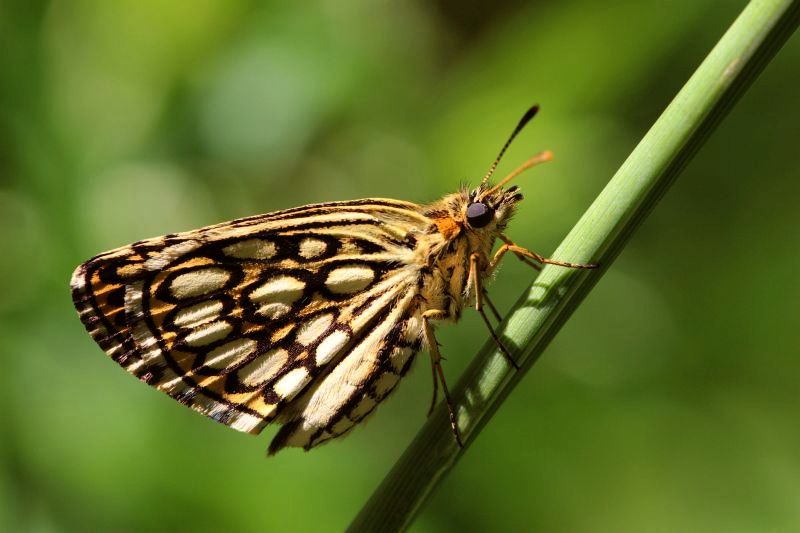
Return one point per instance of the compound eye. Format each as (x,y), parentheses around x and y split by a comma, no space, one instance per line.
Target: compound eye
(479,214)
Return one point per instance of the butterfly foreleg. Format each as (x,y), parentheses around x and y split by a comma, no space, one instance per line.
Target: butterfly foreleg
(436,364)
(478,289)
(525,255)
(501,252)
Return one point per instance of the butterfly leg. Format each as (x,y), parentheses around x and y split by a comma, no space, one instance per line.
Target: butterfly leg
(490,304)
(436,361)
(524,254)
(435,386)
(479,293)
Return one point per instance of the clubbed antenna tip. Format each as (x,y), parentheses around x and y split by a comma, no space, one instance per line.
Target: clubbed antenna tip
(529,114)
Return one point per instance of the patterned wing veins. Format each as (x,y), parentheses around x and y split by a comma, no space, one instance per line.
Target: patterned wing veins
(237,320)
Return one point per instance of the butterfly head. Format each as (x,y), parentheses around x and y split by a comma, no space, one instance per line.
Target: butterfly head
(486,210)
(489,204)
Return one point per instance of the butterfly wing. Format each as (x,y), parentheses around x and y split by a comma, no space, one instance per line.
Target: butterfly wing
(304,315)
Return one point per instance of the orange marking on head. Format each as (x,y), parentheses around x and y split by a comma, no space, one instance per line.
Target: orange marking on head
(448,227)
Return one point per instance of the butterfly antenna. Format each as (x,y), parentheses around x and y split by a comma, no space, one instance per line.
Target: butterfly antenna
(523,121)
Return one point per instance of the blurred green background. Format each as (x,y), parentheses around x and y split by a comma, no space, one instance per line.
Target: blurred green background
(668,403)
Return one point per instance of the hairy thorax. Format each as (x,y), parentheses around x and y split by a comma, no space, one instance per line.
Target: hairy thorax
(444,275)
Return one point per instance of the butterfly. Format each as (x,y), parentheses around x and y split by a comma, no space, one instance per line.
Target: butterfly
(306,317)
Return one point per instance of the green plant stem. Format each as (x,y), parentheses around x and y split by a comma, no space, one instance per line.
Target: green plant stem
(749,44)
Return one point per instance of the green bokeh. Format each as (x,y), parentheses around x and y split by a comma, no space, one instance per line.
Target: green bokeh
(668,403)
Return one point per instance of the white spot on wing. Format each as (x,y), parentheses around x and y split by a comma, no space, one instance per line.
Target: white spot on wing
(230,353)
(290,384)
(209,333)
(349,279)
(170,253)
(263,367)
(329,347)
(276,310)
(194,315)
(311,330)
(413,329)
(349,248)
(246,422)
(198,282)
(399,358)
(285,289)
(310,247)
(277,295)
(250,249)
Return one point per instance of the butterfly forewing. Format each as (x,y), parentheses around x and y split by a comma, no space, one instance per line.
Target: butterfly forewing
(303,315)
